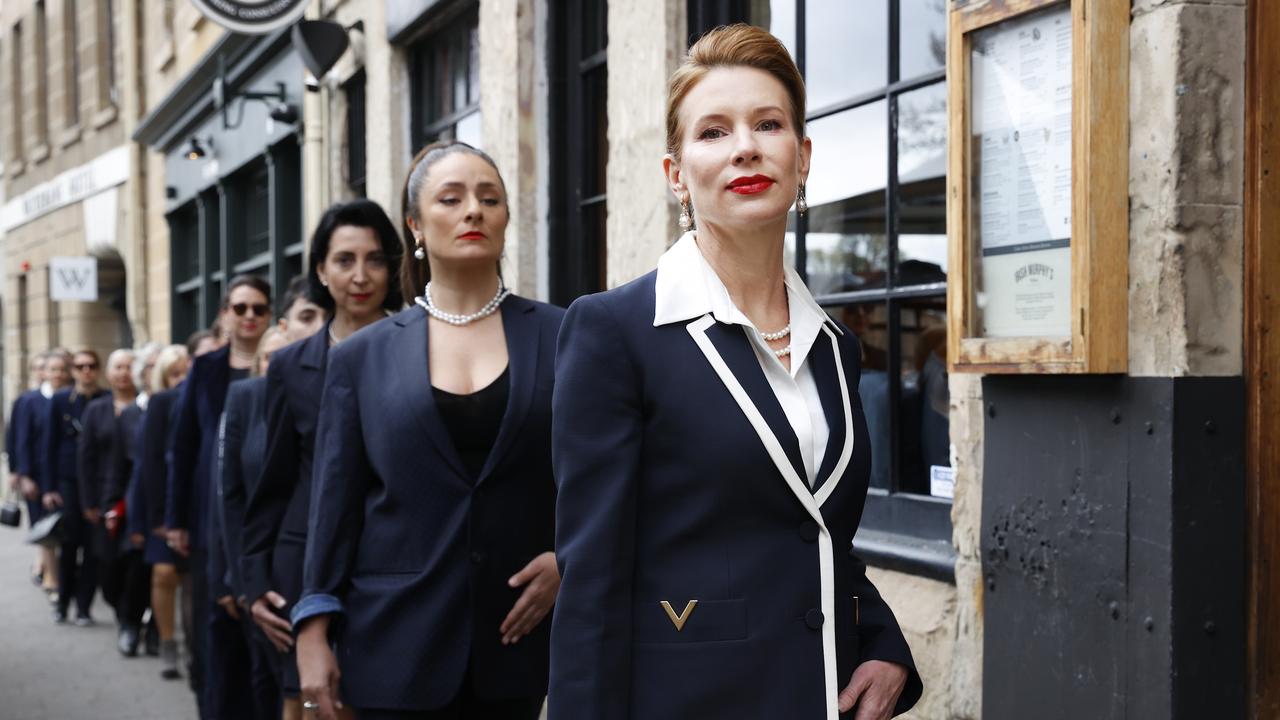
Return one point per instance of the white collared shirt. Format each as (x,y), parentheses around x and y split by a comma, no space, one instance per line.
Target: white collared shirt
(688,287)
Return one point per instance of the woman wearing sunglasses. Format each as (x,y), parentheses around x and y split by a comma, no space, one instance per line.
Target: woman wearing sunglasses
(221,666)
(77,572)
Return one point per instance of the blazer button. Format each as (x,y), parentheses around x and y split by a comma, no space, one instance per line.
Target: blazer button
(477,557)
(813,619)
(809,531)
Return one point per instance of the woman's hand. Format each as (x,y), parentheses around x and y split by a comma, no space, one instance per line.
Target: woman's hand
(178,541)
(228,604)
(318,669)
(52,500)
(278,630)
(137,540)
(874,689)
(542,580)
(30,490)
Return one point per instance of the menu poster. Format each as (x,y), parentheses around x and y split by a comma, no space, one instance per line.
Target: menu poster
(1021,124)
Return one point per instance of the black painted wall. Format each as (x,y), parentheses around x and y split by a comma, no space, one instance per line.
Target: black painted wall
(1113,547)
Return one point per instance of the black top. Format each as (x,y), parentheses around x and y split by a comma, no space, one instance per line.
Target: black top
(473,420)
(239,374)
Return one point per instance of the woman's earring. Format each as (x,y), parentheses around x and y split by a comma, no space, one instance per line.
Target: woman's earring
(802,205)
(420,253)
(686,215)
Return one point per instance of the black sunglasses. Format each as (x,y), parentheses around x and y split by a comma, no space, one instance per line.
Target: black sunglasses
(86,366)
(259,309)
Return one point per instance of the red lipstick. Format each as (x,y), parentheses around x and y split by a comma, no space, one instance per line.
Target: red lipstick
(473,235)
(750,184)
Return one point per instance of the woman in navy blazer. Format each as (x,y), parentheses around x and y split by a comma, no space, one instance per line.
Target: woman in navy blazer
(152,490)
(711,450)
(355,255)
(428,556)
(220,666)
(77,571)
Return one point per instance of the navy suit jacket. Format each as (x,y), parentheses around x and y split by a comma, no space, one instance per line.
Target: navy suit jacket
(97,454)
(244,443)
(24,406)
(195,440)
(275,522)
(154,454)
(28,435)
(680,480)
(61,440)
(401,541)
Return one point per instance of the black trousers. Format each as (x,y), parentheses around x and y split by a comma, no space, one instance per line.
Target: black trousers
(77,562)
(134,576)
(198,628)
(464,706)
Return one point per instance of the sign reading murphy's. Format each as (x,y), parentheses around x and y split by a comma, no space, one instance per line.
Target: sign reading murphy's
(250,17)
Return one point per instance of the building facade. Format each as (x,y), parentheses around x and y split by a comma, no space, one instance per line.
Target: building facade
(224,152)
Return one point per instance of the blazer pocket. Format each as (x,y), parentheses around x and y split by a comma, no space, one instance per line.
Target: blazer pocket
(707,621)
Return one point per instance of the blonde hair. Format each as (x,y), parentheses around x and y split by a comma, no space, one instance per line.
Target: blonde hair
(737,45)
(165,360)
(257,356)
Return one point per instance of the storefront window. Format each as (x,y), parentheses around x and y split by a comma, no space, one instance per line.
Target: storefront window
(445,68)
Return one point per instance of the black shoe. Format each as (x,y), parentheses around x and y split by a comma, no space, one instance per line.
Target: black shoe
(85,621)
(171,674)
(59,616)
(151,642)
(127,642)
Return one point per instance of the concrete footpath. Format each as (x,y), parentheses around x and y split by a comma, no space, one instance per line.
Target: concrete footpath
(63,672)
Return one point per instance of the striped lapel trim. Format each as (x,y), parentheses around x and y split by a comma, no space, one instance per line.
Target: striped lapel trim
(826,552)
(846,452)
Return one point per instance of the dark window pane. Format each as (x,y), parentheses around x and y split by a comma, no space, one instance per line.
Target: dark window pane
(459,72)
(846,49)
(925,400)
(845,244)
(922,37)
(922,179)
(185,241)
(595,27)
(868,321)
(595,141)
(257,214)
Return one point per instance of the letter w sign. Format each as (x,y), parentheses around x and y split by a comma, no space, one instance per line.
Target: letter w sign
(73,278)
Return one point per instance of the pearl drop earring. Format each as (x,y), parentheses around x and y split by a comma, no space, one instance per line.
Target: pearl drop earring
(420,253)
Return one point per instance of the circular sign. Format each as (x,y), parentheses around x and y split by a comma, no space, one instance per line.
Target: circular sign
(252,17)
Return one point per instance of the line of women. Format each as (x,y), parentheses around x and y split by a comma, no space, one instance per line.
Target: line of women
(677,466)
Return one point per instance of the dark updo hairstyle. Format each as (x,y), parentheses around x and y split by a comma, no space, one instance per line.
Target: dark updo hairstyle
(250,281)
(356,213)
(415,273)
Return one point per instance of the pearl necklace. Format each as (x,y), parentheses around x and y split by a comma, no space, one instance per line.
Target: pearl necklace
(489,308)
(778,336)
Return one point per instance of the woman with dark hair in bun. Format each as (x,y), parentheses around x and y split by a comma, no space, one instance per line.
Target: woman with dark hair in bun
(355,255)
(429,549)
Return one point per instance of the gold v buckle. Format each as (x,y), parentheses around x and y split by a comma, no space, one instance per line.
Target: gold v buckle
(679,620)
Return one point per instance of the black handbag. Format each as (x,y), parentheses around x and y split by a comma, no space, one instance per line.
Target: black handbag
(10,511)
(46,531)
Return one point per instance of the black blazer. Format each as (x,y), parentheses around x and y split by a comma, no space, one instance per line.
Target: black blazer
(14,439)
(153,453)
(680,479)
(195,439)
(244,443)
(61,439)
(401,542)
(124,454)
(97,454)
(275,521)
(28,436)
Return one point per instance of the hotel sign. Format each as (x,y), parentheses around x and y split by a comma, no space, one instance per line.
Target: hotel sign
(105,171)
(250,17)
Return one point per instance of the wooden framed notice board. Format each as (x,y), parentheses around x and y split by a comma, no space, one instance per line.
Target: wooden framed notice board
(1037,186)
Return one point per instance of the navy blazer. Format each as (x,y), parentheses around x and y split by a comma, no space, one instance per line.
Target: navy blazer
(154,453)
(681,480)
(401,541)
(22,407)
(135,500)
(28,435)
(61,442)
(96,453)
(194,444)
(275,521)
(243,445)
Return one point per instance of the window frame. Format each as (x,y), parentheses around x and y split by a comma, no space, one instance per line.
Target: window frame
(428,124)
(71,63)
(902,530)
(577,254)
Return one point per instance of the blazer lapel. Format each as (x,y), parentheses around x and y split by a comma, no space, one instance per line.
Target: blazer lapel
(745,372)
(828,374)
(412,351)
(522,333)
